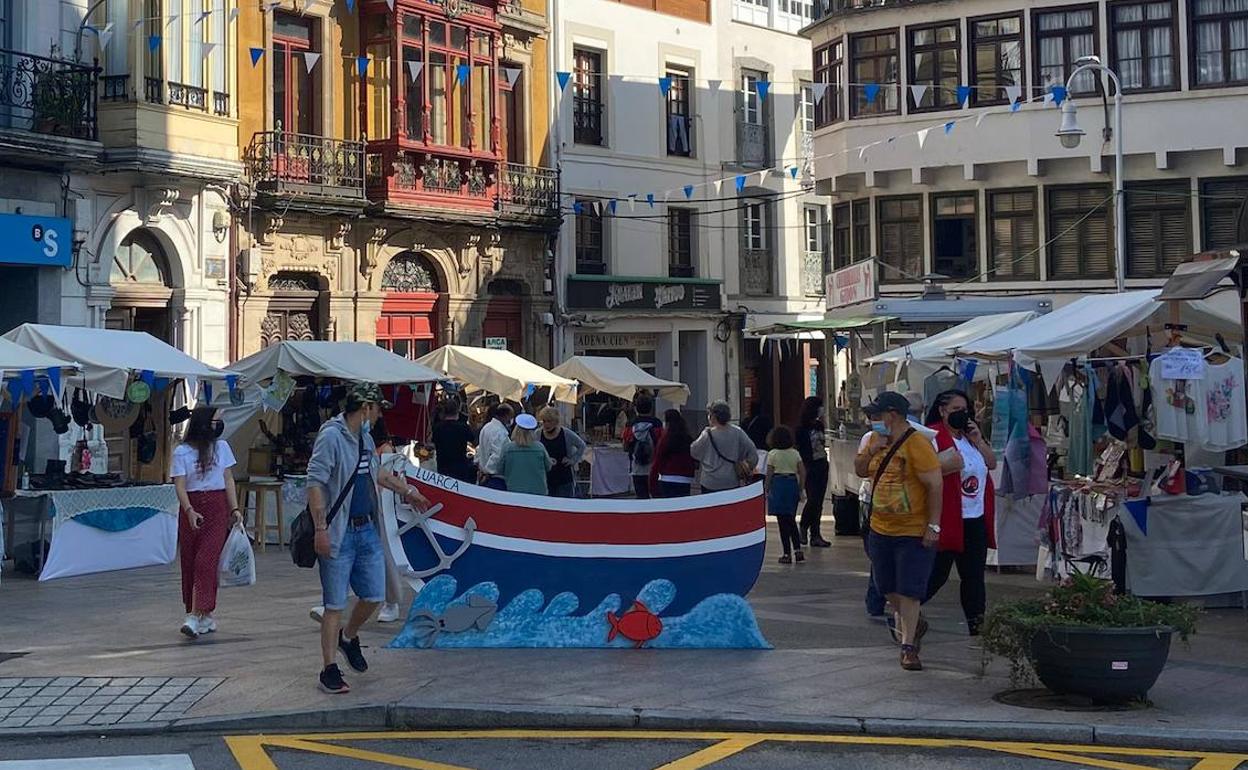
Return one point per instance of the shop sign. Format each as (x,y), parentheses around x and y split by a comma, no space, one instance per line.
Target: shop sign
(615,341)
(643,295)
(40,241)
(851,285)
(496,343)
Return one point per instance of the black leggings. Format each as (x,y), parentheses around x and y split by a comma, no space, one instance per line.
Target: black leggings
(788,534)
(816,488)
(971,563)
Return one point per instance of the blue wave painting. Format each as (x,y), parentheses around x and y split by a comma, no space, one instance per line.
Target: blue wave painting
(723,621)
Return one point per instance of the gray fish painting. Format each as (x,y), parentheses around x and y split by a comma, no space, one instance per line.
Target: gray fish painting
(475,615)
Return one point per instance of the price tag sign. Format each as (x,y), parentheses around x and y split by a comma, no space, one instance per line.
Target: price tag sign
(1183,364)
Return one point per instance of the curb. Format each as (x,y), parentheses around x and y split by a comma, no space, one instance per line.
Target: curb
(398,716)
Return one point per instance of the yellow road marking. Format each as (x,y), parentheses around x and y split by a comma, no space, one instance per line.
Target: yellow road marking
(249,752)
(1074,759)
(1220,762)
(711,754)
(346,752)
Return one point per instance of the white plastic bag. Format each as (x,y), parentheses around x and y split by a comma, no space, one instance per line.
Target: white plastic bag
(238,562)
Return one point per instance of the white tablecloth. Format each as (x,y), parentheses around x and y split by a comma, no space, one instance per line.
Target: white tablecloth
(1193,547)
(609,471)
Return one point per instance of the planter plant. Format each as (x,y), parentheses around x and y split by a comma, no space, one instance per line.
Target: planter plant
(1080,638)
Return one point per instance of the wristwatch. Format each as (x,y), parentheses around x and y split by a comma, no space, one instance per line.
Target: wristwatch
(934,528)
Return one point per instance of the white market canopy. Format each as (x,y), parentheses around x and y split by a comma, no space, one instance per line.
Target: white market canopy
(108,357)
(500,372)
(929,354)
(620,377)
(355,361)
(1078,329)
(14,358)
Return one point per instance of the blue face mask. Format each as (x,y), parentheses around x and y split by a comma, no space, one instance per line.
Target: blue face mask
(880,428)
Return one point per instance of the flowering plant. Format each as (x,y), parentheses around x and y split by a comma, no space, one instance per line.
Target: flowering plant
(1079,600)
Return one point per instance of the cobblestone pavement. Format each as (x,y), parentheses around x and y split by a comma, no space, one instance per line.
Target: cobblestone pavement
(65,701)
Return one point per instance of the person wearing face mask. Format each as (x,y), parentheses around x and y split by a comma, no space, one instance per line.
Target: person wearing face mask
(490,443)
(904,517)
(204,483)
(810,445)
(967,526)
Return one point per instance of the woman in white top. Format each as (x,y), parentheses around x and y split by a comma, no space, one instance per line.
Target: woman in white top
(209,507)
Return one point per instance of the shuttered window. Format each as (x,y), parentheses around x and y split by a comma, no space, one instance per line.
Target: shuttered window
(1080,240)
(901,238)
(1013,241)
(840,236)
(862,230)
(1222,203)
(1159,228)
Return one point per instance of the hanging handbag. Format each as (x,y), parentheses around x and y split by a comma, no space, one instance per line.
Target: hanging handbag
(869,503)
(148,442)
(303,528)
(745,468)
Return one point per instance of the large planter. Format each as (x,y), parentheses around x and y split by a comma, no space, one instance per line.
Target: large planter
(1105,664)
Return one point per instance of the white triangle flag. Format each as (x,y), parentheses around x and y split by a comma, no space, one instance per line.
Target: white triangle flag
(206,49)
(714,85)
(391,4)
(106,37)
(862,152)
(762,176)
(598,208)
(511,75)
(137,23)
(414,68)
(1048,97)
(667,194)
(632,202)
(310,58)
(202,16)
(820,90)
(918,92)
(719,183)
(980,118)
(923,137)
(172,18)
(234,12)
(1013,93)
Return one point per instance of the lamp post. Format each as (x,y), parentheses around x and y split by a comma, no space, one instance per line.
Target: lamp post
(1071,134)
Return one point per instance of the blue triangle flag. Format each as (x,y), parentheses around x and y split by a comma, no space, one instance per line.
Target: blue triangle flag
(793,172)
(15,391)
(763,86)
(563,78)
(650,199)
(351,6)
(231,382)
(688,191)
(871,90)
(54,378)
(361,64)
(27,377)
(949,127)
(529,389)
(160,384)
(740,182)
(577,208)
(964,93)
(461,73)
(256,53)
(1016,106)
(207,392)
(611,205)
(148,376)
(665,85)
(1059,94)
(1139,512)
(153,42)
(842,341)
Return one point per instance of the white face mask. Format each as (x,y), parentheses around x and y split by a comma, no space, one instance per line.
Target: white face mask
(366,426)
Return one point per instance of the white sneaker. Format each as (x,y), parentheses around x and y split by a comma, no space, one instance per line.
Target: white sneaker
(190,627)
(207,624)
(389,613)
(317,613)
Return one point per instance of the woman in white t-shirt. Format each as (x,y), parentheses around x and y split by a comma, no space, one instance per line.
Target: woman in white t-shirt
(209,507)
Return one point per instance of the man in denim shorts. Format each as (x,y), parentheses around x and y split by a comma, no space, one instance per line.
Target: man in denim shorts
(349,549)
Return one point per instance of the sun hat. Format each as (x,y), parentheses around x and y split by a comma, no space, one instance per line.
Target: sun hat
(526,421)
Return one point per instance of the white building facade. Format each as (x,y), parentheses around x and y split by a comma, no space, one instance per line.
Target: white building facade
(664,255)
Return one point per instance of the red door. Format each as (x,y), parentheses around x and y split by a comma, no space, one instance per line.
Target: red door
(503,322)
(408,324)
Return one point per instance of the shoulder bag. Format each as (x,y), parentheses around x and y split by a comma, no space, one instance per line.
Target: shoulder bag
(744,468)
(865,516)
(303,528)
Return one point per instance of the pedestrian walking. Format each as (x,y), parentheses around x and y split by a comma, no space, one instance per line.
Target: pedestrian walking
(726,456)
(204,482)
(811,445)
(389,611)
(641,437)
(490,443)
(967,526)
(786,478)
(344,468)
(674,468)
(566,450)
(523,463)
(451,439)
(904,515)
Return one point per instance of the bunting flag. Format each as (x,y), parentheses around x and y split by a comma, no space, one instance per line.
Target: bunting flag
(135,26)
(206,49)
(161,384)
(922,134)
(762,86)
(819,90)
(1139,513)
(762,176)
(153,43)
(688,191)
(916,92)
(665,85)
(871,90)
(1048,97)
(714,85)
(202,16)
(719,185)
(1013,94)
(350,6)
(632,202)
(740,182)
(233,14)
(256,53)
(207,392)
(54,379)
(361,64)
(231,382)
(964,93)
(667,195)
(650,199)
(147,376)
(862,152)
(272,5)
(577,208)
(611,206)
(597,208)
(414,68)
(461,73)
(793,171)
(980,118)
(310,58)
(390,3)
(105,37)
(563,78)
(510,74)
(27,378)
(1059,95)
(172,18)
(949,128)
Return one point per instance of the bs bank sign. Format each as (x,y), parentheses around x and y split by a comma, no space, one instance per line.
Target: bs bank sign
(41,241)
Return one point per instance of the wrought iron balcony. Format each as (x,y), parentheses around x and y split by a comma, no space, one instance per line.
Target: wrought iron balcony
(190,97)
(757,267)
(47,96)
(753,144)
(116,88)
(302,165)
(529,190)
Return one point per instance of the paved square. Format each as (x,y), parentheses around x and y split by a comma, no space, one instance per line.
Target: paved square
(43,702)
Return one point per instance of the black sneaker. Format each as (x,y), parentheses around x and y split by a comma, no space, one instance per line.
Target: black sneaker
(332,681)
(351,649)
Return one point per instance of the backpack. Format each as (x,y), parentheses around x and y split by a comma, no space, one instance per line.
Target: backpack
(642,452)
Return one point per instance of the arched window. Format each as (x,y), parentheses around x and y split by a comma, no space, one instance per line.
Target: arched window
(140,260)
(409,273)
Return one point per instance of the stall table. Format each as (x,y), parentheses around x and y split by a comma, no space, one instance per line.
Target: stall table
(610,471)
(100,530)
(1193,546)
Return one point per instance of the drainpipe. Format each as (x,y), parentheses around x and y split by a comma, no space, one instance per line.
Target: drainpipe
(554,55)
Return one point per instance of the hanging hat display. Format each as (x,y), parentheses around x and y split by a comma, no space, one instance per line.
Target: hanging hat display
(40,406)
(115,414)
(80,409)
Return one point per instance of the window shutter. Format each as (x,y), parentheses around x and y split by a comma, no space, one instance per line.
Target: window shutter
(1081,244)
(1221,204)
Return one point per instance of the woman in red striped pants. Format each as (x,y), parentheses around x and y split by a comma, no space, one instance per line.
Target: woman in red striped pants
(209,507)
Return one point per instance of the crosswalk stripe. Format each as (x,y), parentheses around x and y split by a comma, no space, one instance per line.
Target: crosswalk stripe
(148,762)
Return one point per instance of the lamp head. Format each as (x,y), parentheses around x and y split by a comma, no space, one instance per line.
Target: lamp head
(1069,132)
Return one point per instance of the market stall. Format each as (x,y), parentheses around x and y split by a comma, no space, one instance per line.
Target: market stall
(500,372)
(104,501)
(924,358)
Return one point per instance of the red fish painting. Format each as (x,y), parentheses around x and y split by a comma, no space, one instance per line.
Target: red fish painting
(638,625)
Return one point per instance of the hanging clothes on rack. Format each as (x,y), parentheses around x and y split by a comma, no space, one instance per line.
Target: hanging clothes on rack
(1220,408)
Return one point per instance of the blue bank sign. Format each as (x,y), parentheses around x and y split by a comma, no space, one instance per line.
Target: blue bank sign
(42,241)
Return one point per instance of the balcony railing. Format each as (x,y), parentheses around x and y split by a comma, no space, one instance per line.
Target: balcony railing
(116,88)
(529,190)
(220,104)
(302,165)
(756,272)
(753,140)
(190,97)
(813,268)
(153,90)
(47,96)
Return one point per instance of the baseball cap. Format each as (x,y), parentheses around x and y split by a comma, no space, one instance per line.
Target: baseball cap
(526,421)
(367,393)
(888,401)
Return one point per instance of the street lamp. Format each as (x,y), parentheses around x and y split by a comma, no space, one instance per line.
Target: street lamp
(1070,135)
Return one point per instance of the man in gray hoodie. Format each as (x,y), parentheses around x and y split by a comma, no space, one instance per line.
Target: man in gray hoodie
(349,548)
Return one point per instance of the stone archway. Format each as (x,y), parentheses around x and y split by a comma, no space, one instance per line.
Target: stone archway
(295,309)
(141,277)
(413,310)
